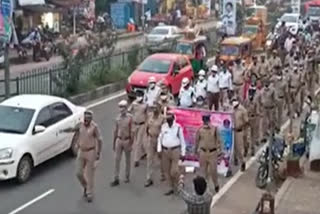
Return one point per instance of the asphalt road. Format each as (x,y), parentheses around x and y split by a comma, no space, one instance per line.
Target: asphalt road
(58,176)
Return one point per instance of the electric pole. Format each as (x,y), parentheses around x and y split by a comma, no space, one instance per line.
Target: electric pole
(6,70)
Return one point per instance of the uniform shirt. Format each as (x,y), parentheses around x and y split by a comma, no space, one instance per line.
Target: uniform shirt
(124,123)
(201,88)
(186,97)
(88,136)
(154,125)
(252,107)
(225,80)
(238,75)
(151,96)
(138,111)
(294,80)
(171,137)
(207,138)
(196,204)
(281,87)
(240,117)
(213,84)
(267,98)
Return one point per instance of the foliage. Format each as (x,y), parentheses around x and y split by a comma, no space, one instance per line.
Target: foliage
(133,57)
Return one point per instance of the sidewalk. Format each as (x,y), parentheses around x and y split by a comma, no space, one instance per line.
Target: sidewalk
(301,195)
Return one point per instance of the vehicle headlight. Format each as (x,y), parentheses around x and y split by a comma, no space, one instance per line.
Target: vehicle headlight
(129,79)
(6,153)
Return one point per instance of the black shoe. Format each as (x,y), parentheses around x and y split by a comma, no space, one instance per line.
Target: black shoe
(217,188)
(89,198)
(84,192)
(245,152)
(170,192)
(252,152)
(136,164)
(148,183)
(143,157)
(115,183)
(127,180)
(243,167)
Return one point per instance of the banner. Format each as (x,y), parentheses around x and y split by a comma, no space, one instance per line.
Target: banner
(191,121)
(5,20)
(229,16)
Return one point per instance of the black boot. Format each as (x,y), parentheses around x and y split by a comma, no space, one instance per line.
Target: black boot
(115,183)
(148,183)
(243,167)
(236,162)
(216,188)
(245,152)
(252,152)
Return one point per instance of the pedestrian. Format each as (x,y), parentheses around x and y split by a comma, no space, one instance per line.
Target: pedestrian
(252,106)
(201,85)
(200,103)
(152,92)
(198,202)
(240,122)
(265,70)
(122,142)
(213,89)
(172,145)
(225,84)
(267,101)
(187,95)
(275,60)
(90,146)
(294,89)
(238,79)
(153,129)
(138,109)
(208,147)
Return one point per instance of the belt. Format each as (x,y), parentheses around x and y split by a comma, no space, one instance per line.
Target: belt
(225,88)
(293,87)
(123,138)
(210,150)
(237,84)
(139,124)
(252,115)
(87,149)
(269,107)
(171,148)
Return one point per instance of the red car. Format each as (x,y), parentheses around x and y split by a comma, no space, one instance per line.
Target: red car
(170,68)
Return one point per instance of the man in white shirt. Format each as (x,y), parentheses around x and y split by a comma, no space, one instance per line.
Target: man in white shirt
(152,93)
(213,89)
(172,146)
(187,96)
(288,43)
(201,85)
(225,84)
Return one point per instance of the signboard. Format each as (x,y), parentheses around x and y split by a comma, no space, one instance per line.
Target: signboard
(31,2)
(5,19)
(191,121)
(295,6)
(229,16)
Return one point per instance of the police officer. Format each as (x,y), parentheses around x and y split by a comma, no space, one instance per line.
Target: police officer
(213,89)
(238,79)
(138,109)
(294,89)
(311,75)
(172,145)
(267,100)
(122,142)
(264,74)
(187,94)
(208,147)
(90,145)
(252,106)
(275,60)
(152,92)
(240,122)
(155,121)
(201,85)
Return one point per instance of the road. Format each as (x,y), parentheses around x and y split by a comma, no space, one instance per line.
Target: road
(58,177)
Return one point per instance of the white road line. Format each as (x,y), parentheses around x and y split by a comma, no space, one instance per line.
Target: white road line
(100,102)
(19,209)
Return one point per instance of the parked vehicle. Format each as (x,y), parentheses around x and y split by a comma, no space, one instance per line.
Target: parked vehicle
(312,10)
(292,21)
(169,68)
(30,132)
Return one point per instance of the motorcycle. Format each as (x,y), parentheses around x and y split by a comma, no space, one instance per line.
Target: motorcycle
(278,147)
(44,50)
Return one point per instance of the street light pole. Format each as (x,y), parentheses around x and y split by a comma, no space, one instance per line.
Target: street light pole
(6,71)
(270,167)
(74,20)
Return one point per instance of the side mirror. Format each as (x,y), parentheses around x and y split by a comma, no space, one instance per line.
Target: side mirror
(38,129)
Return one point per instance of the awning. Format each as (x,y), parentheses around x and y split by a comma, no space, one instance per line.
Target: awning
(65,3)
(31,2)
(42,8)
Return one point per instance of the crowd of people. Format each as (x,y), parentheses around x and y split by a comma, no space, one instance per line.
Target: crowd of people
(259,94)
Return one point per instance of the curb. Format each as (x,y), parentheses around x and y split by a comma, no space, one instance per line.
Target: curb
(98,93)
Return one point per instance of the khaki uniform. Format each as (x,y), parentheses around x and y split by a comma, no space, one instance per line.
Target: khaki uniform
(139,117)
(294,91)
(123,144)
(254,123)
(275,62)
(240,122)
(264,74)
(311,77)
(208,146)
(267,100)
(238,81)
(153,130)
(87,155)
(281,90)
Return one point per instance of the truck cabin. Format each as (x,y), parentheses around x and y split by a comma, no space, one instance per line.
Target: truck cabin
(233,48)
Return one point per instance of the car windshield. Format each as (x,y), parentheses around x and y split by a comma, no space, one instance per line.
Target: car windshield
(229,50)
(159,31)
(184,48)
(250,29)
(314,11)
(15,120)
(155,66)
(289,19)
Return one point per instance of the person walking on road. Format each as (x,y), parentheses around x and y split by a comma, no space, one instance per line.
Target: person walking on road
(138,109)
(201,85)
(294,90)
(208,146)
(187,96)
(122,142)
(240,122)
(172,145)
(198,202)
(238,79)
(213,89)
(152,93)
(153,129)
(225,84)
(90,146)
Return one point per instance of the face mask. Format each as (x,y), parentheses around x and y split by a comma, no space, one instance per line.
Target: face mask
(163,97)
(123,110)
(267,86)
(255,63)
(199,103)
(152,85)
(201,77)
(279,77)
(170,121)
(235,104)
(139,99)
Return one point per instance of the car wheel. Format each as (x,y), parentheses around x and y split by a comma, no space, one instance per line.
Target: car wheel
(74,148)
(24,169)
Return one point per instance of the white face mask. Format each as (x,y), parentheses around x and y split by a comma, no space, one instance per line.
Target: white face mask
(235,104)
(152,85)
(139,99)
(163,97)
(199,103)
(201,77)
(279,77)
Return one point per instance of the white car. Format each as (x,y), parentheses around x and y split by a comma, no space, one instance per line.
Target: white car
(160,37)
(30,134)
(292,22)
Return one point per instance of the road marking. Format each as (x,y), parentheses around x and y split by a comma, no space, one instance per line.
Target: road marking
(32,201)
(100,102)
(229,184)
